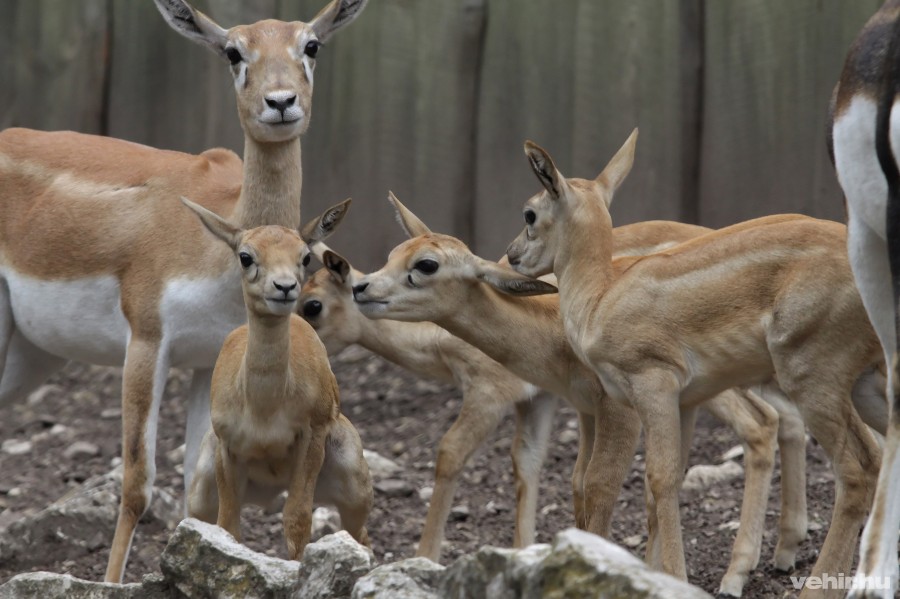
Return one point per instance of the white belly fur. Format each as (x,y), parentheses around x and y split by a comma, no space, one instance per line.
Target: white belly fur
(78,320)
(82,319)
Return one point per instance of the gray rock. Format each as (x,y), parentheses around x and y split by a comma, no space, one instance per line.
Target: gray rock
(459,513)
(331,566)
(578,564)
(581,564)
(415,578)
(47,585)
(491,573)
(81,449)
(325,521)
(14,447)
(380,466)
(394,487)
(202,560)
(702,476)
(80,522)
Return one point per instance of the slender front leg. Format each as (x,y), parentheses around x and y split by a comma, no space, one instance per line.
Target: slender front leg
(479,416)
(534,423)
(299,505)
(586,433)
(198,422)
(231,483)
(793,521)
(617,429)
(144,379)
(657,401)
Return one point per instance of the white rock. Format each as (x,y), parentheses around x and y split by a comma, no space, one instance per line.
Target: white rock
(58,429)
(394,487)
(46,585)
(380,466)
(331,566)
(15,447)
(81,449)
(202,560)
(176,456)
(730,525)
(41,393)
(111,413)
(568,436)
(459,512)
(732,454)
(415,578)
(325,521)
(703,476)
(425,493)
(633,541)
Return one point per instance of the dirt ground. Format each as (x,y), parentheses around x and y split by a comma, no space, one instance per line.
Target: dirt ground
(400,417)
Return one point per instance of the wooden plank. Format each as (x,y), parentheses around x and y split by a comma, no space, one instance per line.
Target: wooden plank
(167,91)
(629,73)
(394,109)
(53,60)
(526,92)
(770,68)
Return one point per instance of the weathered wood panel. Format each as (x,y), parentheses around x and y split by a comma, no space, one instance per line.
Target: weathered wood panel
(167,91)
(577,77)
(770,67)
(393,109)
(52,63)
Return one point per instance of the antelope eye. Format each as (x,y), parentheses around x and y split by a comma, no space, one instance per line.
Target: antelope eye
(312,48)
(312,308)
(306,260)
(246,259)
(428,267)
(234,56)
(530,217)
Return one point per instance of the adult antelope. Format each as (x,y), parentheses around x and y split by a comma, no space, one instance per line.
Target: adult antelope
(101,263)
(759,302)
(866,139)
(429,276)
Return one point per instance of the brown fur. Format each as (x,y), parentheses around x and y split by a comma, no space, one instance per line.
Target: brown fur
(526,336)
(771,299)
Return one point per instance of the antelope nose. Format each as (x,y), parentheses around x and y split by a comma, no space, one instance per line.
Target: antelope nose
(359,288)
(280,101)
(285,287)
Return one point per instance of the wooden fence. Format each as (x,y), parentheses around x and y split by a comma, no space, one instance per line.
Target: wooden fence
(433,99)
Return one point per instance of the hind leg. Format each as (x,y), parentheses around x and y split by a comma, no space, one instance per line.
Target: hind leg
(534,423)
(344,480)
(26,367)
(203,496)
(872,271)
(756,425)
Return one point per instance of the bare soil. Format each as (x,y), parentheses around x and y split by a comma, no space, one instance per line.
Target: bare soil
(400,417)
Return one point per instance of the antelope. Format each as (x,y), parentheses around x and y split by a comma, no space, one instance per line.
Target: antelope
(769,301)
(864,141)
(488,389)
(431,275)
(275,408)
(101,263)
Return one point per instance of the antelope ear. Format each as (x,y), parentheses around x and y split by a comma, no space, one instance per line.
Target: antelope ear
(337,266)
(334,16)
(216,225)
(544,169)
(619,167)
(409,221)
(508,281)
(322,227)
(193,24)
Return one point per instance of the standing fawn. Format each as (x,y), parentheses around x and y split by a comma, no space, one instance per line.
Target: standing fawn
(429,276)
(276,419)
(488,388)
(866,142)
(770,301)
(99,261)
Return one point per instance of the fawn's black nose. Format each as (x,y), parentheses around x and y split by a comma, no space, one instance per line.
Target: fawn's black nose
(359,288)
(285,287)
